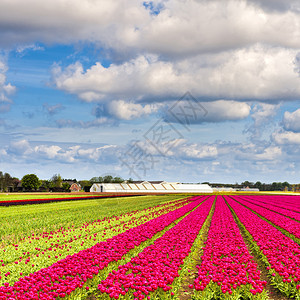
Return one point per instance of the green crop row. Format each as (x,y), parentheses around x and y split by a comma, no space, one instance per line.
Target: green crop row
(17,222)
(40,251)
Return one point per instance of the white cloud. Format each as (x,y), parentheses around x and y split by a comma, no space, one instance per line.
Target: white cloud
(291,121)
(49,152)
(20,148)
(54,152)
(6,89)
(133,79)
(60,20)
(178,149)
(184,28)
(286,138)
(96,153)
(194,151)
(25,150)
(270,153)
(196,161)
(22,49)
(262,112)
(253,152)
(127,110)
(262,115)
(256,73)
(195,112)
(180,28)
(223,110)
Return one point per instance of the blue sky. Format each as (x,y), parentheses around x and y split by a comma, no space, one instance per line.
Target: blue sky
(174,90)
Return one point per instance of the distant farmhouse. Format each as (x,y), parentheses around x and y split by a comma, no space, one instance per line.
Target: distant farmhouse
(150,187)
(75,187)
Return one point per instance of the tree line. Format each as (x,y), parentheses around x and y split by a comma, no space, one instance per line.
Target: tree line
(31,182)
(274,186)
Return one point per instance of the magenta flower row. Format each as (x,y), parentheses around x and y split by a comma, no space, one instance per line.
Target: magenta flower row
(48,200)
(157,265)
(288,224)
(291,202)
(270,206)
(282,253)
(226,260)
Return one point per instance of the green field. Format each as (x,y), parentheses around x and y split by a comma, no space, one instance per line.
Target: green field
(27,196)
(19,221)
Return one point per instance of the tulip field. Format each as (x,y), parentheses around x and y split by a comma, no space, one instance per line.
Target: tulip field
(29,198)
(153,247)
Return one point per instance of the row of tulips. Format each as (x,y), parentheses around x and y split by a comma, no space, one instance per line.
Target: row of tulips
(66,275)
(40,251)
(279,253)
(227,269)
(270,206)
(108,219)
(153,270)
(291,226)
(58,199)
(288,202)
(65,235)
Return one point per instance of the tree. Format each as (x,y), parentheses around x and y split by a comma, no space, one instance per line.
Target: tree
(84,183)
(276,186)
(258,185)
(286,185)
(56,181)
(247,183)
(117,179)
(45,185)
(15,182)
(96,180)
(30,182)
(107,179)
(66,186)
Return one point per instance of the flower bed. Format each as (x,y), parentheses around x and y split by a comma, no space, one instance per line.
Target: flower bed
(153,270)
(280,254)
(227,268)
(270,206)
(70,273)
(288,224)
(58,199)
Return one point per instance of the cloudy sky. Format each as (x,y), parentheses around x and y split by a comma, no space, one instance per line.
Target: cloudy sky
(180,90)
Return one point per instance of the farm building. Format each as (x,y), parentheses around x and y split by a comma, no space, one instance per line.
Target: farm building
(75,187)
(150,187)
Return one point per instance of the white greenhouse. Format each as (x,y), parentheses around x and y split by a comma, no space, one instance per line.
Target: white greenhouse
(150,187)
